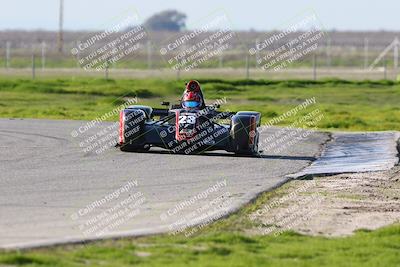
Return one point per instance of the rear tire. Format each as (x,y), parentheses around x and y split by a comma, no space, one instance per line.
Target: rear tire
(243,134)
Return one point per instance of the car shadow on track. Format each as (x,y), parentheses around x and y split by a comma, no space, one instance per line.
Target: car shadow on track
(226,154)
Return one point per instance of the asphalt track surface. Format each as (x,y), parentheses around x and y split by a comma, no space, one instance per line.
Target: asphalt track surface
(51,191)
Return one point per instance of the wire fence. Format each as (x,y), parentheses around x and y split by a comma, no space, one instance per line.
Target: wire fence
(368,52)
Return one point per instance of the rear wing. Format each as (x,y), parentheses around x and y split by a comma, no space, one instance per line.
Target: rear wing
(165,112)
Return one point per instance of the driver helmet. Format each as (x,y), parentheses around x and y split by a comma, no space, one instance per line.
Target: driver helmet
(192,100)
(193,86)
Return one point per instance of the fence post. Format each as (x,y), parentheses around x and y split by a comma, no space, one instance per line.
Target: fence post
(78,55)
(366,53)
(107,68)
(33,66)
(314,67)
(396,57)
(385,69)
(328,52)
(149,55)
(257,52)
(247,67)
(8,54)
(43,55)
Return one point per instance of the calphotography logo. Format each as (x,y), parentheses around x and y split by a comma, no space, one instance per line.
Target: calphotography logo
(190,216)
(99,135)
(124,37)
(301,129)
(300,38)
(110,212)
(277,216)
(211,37)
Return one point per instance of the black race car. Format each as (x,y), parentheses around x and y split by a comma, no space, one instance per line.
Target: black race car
(188,128)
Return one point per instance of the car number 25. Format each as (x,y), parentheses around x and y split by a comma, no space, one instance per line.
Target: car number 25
(187,119)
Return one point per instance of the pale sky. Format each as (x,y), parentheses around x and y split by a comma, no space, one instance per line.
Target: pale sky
(245,15)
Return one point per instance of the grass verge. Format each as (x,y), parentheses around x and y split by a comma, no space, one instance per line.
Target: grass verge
(346,105)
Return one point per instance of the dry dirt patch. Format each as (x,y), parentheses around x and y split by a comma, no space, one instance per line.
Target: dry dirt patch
(333,205)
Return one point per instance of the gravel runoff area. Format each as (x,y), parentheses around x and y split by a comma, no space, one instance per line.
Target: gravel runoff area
(331,204)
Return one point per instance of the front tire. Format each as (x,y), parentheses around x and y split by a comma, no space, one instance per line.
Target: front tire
(131,129)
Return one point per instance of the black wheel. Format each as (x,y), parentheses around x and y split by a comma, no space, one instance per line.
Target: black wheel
(131,129)
(244,135)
